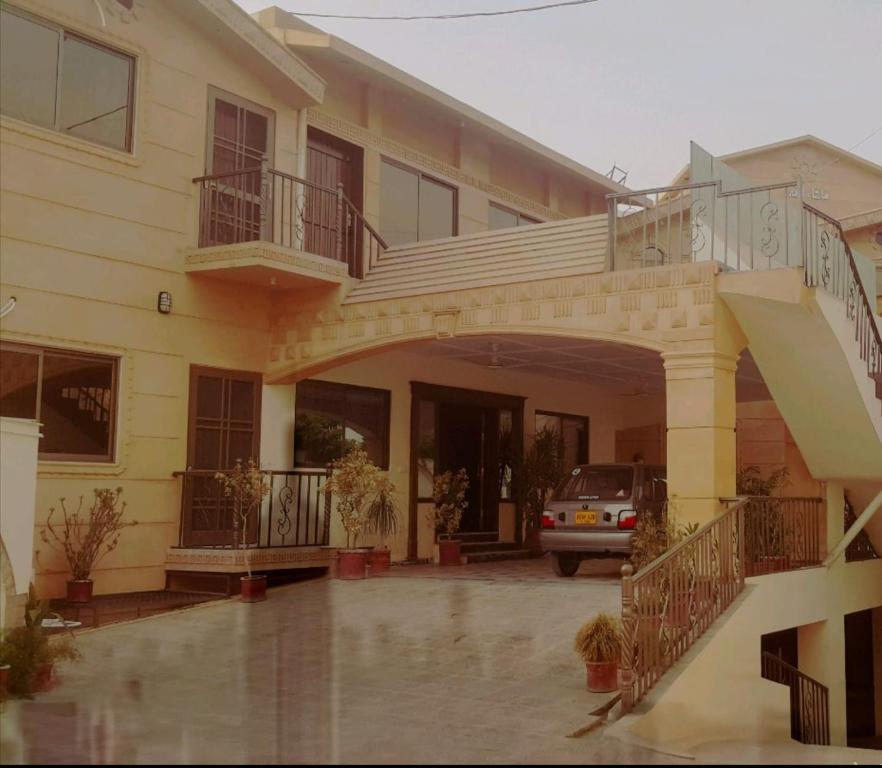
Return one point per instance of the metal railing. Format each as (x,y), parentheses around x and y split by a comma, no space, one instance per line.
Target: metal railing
(861,548)
(809,700)
(754,228)
(260,203)
(781,533)
(296,512)
(671,602)
(830,264)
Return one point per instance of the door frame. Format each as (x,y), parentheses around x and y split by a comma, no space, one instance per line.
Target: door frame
(438,393)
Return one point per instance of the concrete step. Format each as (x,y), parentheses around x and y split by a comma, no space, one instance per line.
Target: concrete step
(471,547)
(496,555)
(470,536)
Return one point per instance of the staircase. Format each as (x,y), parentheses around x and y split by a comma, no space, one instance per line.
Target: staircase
(486,548)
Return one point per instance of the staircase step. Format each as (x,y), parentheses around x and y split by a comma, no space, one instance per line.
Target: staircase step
(470,536)
(496,555)
(469,547)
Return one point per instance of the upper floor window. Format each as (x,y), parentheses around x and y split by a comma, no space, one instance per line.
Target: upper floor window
(503,218)
(52,77)
(72,394)
(414,206)
(574,431)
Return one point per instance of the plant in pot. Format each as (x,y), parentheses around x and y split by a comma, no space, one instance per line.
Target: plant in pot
(599,645)
(246,486)
(29,655)
(358,485)
(86,538)
(449,494)
(382,520)
(536,476)
(770,550)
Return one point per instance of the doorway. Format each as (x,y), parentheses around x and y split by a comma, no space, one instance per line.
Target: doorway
(224,425)
(329,162)
(860,706)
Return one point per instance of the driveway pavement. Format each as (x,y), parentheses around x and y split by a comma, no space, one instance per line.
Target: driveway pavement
(424,665)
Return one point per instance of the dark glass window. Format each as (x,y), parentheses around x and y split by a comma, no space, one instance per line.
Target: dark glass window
(413,206)
(575,435)
(330,418)
(73,395)
(426,449)
(503,218)
(596,484)
(54,78)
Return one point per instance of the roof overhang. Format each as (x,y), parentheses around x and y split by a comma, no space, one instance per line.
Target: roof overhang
(290,77)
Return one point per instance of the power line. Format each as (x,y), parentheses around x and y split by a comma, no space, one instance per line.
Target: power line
(447,16)
(865,139)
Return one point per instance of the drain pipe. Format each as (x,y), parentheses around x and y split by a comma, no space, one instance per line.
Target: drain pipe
(855,529)
(300,201)
(7,307)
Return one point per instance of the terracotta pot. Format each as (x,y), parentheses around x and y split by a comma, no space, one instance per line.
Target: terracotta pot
(449,552)
(352,563)
(4,676)
(253,588)
(533,542)
(380,560)
(44,678)
(79,590)
(602,676)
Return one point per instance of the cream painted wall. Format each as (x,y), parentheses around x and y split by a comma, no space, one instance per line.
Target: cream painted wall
(89,238)
(395,370)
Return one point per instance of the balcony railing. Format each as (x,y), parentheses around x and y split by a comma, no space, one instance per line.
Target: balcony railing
(671,602)
(809,700)
(755,228)
(261,203)
(296,512)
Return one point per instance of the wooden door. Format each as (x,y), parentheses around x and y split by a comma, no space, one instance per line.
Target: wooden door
(240,136)
(224,425)
(329,162)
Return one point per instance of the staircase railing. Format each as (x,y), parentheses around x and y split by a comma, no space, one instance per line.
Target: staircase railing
(809,700)
(261,203)
(830,264)
(671,602)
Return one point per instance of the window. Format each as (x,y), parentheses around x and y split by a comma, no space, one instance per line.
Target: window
(330,418)
(503,218)
(575,435)
(426,449)
(413,206)
(54,78)
(596,484)
(72,394)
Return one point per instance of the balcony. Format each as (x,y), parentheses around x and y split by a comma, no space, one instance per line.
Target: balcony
(262,227)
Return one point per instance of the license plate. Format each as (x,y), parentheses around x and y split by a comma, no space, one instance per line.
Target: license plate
(586,518)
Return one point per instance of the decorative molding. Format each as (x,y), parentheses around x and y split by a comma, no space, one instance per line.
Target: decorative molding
(359,135)
(259,251)
(233,560)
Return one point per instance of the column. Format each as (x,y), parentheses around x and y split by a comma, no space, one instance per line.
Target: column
(822,656)
(701,431)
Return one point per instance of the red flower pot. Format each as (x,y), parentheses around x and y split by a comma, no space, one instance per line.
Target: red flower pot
(44,678)
(448,552)
(352,563)
(602,676)
(533,542)
(380,560)
(253,588)
(79,590)
(4,676)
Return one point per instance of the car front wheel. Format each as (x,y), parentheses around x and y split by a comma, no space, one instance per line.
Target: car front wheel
(565,563)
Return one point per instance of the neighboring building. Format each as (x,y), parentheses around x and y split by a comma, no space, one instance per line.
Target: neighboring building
(232,236)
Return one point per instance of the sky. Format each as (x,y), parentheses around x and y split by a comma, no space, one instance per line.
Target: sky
(631,82)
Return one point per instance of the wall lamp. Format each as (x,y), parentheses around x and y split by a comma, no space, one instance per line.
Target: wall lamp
(164,302)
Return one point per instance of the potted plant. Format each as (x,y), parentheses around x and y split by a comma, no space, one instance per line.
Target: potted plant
(246,486)
(448,493)
(540,470)
(358,485)
(85,539)
(383,521)
(28,654)
(599,645)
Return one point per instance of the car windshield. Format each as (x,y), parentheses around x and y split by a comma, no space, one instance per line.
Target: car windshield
(596,483)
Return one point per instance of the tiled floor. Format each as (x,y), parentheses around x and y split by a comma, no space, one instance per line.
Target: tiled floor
(469,664)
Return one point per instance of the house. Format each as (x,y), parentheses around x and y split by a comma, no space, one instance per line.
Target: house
(231,237)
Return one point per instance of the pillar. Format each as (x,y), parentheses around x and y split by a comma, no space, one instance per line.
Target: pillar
(701,431)
(834,523)
(822,656)
(877,666)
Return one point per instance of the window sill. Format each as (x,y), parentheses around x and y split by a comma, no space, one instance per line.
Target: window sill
(70,142)
(78,467)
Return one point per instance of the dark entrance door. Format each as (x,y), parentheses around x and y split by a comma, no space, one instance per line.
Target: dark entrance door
(860,710)
(467,440)
(224,425)
(329,161)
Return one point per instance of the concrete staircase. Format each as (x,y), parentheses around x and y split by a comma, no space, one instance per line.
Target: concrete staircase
(486,548)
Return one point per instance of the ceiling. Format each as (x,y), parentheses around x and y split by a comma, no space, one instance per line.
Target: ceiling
(615,368)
